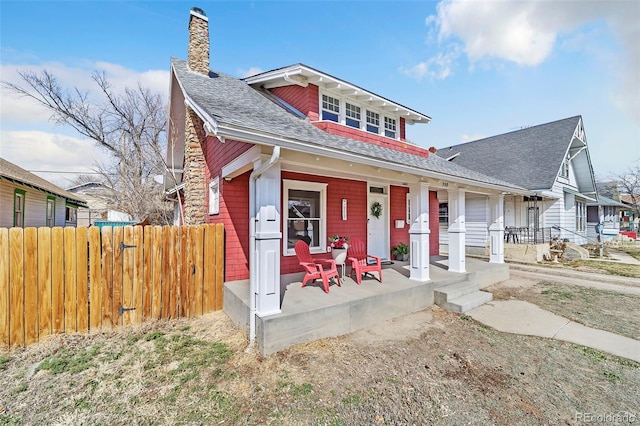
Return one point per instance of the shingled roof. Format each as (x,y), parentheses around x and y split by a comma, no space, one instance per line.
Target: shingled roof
(229,100)
(17,174)
(530,157)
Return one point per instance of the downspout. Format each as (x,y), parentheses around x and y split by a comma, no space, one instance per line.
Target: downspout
(253,284)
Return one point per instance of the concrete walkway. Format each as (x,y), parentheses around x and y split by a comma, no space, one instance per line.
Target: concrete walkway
(520,317)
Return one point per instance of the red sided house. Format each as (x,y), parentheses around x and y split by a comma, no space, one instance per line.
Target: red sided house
(296,153)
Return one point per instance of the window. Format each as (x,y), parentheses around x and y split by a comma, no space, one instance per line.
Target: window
(564,171)
(305,215)
(71,214)
(352,115)
(373,122)
(390,127)
(51,211)
(443,213)
(581,216)
(214,196)
(18,208)
(330,108)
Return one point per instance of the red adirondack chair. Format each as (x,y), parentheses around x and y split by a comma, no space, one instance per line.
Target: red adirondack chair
(314,268)
(357,255)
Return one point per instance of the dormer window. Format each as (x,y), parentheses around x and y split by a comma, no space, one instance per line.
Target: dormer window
(330,108)
(352,113)
(349,112)
(390,127)
(373,122)
(564,172)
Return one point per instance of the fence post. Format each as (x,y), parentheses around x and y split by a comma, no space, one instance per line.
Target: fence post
(4,287)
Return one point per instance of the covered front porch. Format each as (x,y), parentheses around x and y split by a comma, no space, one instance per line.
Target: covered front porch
(309,314)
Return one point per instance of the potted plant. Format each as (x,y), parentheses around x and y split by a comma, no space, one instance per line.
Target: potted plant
(339,247)
(401,252)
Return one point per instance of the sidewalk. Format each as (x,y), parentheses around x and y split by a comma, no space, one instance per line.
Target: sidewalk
(520,317)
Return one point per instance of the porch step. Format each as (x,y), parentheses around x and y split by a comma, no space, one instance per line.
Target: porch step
(461,297)
(468,301)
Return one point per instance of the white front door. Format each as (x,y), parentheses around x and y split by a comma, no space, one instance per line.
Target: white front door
(378,227)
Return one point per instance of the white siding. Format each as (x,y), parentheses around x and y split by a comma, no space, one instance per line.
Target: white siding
(476,213)
(35,208)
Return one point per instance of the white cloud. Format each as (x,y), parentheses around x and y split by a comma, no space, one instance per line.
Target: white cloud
(527,32)
(469,138)
(250,72)
(37,150)
(437,67)
(23,110)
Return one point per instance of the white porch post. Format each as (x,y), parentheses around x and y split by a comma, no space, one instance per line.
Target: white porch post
(419,232)
(457,230)
(268,242)
(496,228)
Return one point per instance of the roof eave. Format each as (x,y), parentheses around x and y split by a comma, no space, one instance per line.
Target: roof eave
(304,75)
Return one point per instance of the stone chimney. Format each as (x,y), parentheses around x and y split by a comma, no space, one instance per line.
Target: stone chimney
(198,55)
(194,178)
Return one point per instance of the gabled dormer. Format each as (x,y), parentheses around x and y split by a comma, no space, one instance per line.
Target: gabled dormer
(575,169)
(339,107)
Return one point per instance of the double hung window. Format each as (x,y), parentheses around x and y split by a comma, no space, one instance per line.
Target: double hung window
(352,113)
(305,215)
(51,211)
(214,196)
(18,208)
(390,127)
(373,122)
(330,108)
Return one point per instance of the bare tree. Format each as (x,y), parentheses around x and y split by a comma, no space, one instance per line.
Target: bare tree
(629,184)
(130,126)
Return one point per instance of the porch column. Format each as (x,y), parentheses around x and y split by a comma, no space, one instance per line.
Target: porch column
(268,241)
(496,228)
(457,230)
(419,232)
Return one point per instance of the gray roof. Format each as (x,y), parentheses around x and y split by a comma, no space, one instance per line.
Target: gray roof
(230,100)
(530,157)
(604,201)
(17,174)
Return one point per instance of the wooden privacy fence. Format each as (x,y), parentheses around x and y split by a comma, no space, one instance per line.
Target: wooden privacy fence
(67,280)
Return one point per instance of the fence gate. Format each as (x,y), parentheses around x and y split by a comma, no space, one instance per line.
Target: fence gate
(68,280)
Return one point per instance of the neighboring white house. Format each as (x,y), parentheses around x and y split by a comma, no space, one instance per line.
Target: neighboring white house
(551,160)
(605,214)
(98,197)
(28,200)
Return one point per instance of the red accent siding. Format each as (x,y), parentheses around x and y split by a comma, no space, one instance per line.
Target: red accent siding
(234,205)
(307,101)
(398,200)
(434,224)
(356,224)
(304,99)
(398,211)
(350,132)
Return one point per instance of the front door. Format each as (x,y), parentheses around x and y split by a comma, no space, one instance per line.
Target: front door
(378,227)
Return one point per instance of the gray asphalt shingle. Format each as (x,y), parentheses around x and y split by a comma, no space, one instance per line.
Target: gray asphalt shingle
(530,157)
(231,101)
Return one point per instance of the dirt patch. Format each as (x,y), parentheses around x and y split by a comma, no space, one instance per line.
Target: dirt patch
(432,367)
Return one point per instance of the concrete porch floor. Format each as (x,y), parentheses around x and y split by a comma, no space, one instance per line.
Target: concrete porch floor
(310,314)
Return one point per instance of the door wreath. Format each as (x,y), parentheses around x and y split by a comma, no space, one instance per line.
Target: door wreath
(376,210)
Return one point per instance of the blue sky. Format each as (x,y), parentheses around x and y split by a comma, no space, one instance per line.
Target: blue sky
(476,68)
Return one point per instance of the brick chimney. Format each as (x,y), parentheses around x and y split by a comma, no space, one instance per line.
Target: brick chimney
(195,184)
(198,55)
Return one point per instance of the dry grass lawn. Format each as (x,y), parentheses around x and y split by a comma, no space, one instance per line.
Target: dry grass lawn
(431,367)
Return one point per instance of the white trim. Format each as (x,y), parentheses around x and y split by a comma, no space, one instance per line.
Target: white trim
(251,136)
(288,184)
(242,163)
(278,78)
